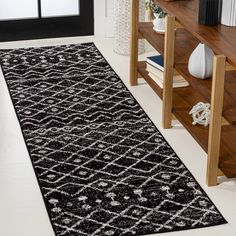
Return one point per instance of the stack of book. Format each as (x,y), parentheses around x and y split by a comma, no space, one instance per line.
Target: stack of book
(155,69)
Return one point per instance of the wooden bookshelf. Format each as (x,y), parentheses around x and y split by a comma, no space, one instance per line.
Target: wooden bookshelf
(219,139)
(184,45)
(220,38)
(183,100)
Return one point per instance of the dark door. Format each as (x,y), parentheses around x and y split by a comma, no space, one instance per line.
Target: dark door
(34,19)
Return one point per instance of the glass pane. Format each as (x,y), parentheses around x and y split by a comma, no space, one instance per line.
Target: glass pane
(51,8)
(18,9)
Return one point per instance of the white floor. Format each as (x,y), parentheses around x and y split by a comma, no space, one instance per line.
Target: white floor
(22,211)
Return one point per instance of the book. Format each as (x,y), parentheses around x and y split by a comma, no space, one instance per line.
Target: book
(176,84)
(156,61)
(177,77)
(160,73)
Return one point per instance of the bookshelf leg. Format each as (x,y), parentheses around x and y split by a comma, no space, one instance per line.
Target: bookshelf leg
(217,94)
(168,71)
(134,43)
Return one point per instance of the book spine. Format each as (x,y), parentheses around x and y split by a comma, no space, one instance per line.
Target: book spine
(155,64)
(158,81)
(178,81)
(154,70)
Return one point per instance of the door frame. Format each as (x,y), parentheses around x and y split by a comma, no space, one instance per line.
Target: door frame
(50,27)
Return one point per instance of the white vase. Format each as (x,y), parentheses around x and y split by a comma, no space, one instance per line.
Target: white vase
(122,32)
(159,24)
(228,14)
(200,63)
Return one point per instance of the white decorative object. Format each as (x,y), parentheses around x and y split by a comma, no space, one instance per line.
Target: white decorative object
(123,26)
(200,63)
(159,24)
(201,114)
(228,14)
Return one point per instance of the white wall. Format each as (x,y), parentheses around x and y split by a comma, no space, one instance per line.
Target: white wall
(104,18)
(109,18)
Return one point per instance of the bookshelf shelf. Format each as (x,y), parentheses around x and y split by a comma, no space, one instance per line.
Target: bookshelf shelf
(184,45)
(221,135)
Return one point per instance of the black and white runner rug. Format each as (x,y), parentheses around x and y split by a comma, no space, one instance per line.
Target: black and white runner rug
(102,166)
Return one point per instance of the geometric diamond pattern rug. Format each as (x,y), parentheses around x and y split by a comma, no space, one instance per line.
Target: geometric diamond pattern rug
(102,166)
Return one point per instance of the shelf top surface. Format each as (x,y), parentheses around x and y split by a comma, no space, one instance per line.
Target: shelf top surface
(222,39)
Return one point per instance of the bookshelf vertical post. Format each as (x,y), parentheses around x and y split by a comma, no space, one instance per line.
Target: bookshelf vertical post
(217,95)
(134,43)
(168,71)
